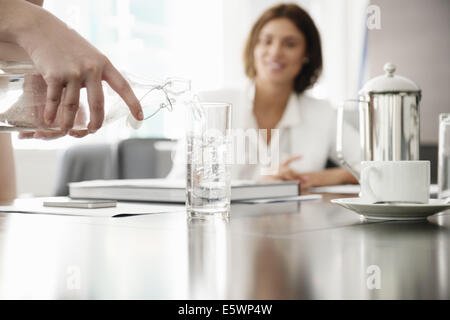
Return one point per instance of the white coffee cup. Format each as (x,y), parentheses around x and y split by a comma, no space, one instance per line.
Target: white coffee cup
(395,181)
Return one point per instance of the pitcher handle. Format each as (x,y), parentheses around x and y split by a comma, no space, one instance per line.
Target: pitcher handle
(340,139)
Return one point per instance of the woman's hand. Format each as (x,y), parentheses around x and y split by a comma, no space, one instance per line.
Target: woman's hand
(307,180)
(28,111)
(66,60)
(327,177)
(67,63)
(285,173)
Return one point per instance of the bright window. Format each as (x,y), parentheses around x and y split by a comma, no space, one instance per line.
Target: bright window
(202,40)
(155,39)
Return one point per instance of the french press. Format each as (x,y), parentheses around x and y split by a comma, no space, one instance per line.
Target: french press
(389,120)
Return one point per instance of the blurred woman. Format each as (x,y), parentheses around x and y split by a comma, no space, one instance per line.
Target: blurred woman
(283,58)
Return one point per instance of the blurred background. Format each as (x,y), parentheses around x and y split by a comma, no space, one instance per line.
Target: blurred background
(203,40)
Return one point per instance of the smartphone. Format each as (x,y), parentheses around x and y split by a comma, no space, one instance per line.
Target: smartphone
(86,204)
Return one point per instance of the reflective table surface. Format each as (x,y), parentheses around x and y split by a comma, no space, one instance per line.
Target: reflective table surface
(305,250)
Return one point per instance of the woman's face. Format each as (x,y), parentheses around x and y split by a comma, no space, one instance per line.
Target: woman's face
(279,52)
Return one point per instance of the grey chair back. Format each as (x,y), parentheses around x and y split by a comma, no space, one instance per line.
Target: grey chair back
(430,152)
(145,158)
(85,162)
(129,159)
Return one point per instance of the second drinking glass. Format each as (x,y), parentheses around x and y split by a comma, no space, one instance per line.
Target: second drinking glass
(444,156)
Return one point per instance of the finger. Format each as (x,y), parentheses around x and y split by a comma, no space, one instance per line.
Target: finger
(49,135)
(78,133)
(26,135)
(121,86)
(54,92)
(291,159)
(304,178)
(305,181)
(70,105)
(96,103)
(305,186)
(270,178)
(290,175)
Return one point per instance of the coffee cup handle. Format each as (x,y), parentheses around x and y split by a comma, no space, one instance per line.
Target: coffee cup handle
(367,185)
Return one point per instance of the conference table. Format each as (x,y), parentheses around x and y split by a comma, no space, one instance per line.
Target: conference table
(290,250)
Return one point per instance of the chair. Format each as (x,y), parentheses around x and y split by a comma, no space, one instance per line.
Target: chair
(145,158)
(85,162)
(430,152)
(129,159)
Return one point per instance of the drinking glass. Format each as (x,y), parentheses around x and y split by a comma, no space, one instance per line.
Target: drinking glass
(444,156)
(208,189)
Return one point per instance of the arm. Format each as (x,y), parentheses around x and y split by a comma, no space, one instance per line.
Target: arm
(11,51)
(326,177)
(37,2)
(66,61)
(7,172)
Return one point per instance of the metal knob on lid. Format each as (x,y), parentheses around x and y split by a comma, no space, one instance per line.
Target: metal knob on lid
(389,83)
(389,68)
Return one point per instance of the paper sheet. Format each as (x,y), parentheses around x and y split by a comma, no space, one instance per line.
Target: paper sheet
(283,199)
(35,206)
(339,189)
(354,189)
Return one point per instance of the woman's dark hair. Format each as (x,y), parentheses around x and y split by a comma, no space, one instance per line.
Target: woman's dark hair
(311,70)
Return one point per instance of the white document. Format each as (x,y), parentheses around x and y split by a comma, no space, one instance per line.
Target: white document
(339,189)
(36,206)
(354,189)
(283,199)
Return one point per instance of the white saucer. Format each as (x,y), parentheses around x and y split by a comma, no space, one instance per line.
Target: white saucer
(388,211)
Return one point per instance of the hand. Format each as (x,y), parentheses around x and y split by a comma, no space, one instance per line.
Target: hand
(327,177)
(52,134)
(67,63)
(285,173)
(313,179)
(28,111)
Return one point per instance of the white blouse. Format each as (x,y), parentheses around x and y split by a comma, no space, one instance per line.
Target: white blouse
(307,127)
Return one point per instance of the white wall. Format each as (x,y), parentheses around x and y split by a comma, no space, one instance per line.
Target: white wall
(36,171)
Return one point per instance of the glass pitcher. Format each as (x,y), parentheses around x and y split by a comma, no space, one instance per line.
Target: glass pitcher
(23,95)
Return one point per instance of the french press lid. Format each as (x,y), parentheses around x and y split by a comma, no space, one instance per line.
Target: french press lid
(389,83)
